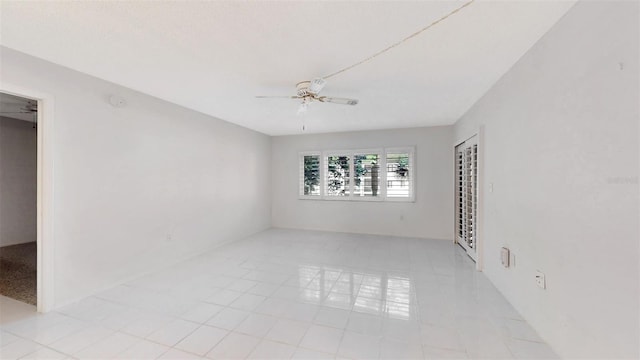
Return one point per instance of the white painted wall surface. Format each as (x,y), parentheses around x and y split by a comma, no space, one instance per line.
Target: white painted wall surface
(18,159)
(562,154)
(430,216)
(140,187)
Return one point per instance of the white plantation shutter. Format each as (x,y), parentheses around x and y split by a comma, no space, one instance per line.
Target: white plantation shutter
(400,173)
(310,174)
(460,198)
(338,170)
(365,174)
(471,179)
(467,194)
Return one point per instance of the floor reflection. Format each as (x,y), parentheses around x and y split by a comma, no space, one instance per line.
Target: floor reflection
(379,294)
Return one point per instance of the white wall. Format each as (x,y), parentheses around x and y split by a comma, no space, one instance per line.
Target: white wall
(140,187)
(17,181)
(430,216)
(562,154)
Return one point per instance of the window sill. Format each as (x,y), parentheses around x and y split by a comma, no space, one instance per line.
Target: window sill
(356,199)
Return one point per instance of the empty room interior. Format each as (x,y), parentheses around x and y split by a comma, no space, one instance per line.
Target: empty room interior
(319,180)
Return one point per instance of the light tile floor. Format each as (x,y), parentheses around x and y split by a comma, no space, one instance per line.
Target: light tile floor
(288,294)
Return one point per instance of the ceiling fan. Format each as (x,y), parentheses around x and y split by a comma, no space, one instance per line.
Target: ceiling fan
(309,91)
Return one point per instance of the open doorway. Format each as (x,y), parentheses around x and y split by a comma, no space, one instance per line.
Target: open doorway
(19,198)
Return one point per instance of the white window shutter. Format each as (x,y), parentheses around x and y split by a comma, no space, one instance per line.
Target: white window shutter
(310,175)
(400,173)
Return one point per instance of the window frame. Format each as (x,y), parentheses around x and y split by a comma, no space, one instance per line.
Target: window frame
(351,153)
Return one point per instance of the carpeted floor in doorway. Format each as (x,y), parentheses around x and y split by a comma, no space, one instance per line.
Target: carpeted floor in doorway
(18,272)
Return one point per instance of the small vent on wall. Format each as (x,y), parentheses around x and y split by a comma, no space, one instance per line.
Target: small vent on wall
(504,257)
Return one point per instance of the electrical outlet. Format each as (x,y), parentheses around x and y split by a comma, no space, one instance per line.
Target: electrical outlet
(540,280)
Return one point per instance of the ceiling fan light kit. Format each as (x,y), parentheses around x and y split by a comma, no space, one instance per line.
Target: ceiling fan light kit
(304,106)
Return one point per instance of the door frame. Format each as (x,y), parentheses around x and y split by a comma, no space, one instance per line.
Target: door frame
(479,133)
(45,239)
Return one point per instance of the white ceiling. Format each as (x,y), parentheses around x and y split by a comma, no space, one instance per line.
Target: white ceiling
(214,57)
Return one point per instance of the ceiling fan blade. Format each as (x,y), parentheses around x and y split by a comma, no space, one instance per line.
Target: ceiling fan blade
(341,101)
(277,97)
(16,112)
(316,85)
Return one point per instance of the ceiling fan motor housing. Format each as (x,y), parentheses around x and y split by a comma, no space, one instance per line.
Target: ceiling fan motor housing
(303,88)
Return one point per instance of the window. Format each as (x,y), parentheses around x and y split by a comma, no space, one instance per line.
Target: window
(375,175)
(366,180)
(310,175)
(338,175)
(399,174)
